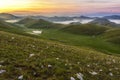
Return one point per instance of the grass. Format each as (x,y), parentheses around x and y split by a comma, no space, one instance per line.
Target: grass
(112,35)
(95,42)
(85,29)
(52,60)
(38,24)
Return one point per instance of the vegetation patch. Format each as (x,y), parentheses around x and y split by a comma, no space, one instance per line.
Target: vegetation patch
(85,29)
(28,58)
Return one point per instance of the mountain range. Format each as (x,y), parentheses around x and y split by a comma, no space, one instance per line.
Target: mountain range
(103,22)
(7,16)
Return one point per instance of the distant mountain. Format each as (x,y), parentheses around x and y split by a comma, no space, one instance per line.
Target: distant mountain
(37,23)
(56,18)
(85,17)
(112,17)
(103,22)
(75,23)
(27,21)
(6,16)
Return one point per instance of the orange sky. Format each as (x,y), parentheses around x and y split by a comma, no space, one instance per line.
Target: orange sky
(58,6)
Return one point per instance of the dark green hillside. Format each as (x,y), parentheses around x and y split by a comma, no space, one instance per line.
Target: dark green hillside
(113,35)
(36,59)
(85,29)
(27,21)
(38,24)
(12,28)
(4,24)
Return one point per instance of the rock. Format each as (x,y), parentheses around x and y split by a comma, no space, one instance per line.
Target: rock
(20,77)
(93,73)
(49,66)
(100,70)
(13,38)
(80,76)
(31,55)
(2,71)
(72,78)
(111,74)
(57,58)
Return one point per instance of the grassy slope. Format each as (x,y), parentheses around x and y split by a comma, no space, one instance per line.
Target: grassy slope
(14,58)
(67,38)
(81,40)
(85,29)
(112,35)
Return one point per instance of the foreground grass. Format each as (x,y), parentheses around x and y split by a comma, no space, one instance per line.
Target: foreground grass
(35,59)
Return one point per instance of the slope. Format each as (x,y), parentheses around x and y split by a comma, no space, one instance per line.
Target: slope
(85,29)
(35,59)
(112,35)
(38,24)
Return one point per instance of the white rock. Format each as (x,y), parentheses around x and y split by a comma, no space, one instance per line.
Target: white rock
(78,62)
(57,58)
(2,71)
(49,66)
(93,73)
(100,70)
(13,38)
(88,65)
(31,55)
(0,65)
(110,69)
(20,77)
(2,61)
(33,46)
(116,68)
(111,74)
(80,76)
(113,60)
(42,66)
(72,78)
(66,64)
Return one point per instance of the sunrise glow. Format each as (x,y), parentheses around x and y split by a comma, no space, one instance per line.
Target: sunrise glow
(59,7)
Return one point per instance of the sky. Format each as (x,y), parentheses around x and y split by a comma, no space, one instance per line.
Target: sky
(60,7)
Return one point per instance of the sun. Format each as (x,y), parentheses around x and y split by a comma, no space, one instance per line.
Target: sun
(13,4)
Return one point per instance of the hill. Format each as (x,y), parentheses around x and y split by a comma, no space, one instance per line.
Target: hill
(85,17)
(112,17)
(35,59)
(113,35)
(37,24)
(6,16)
(9,27)
(4,24)
(103,22)
(85,29)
